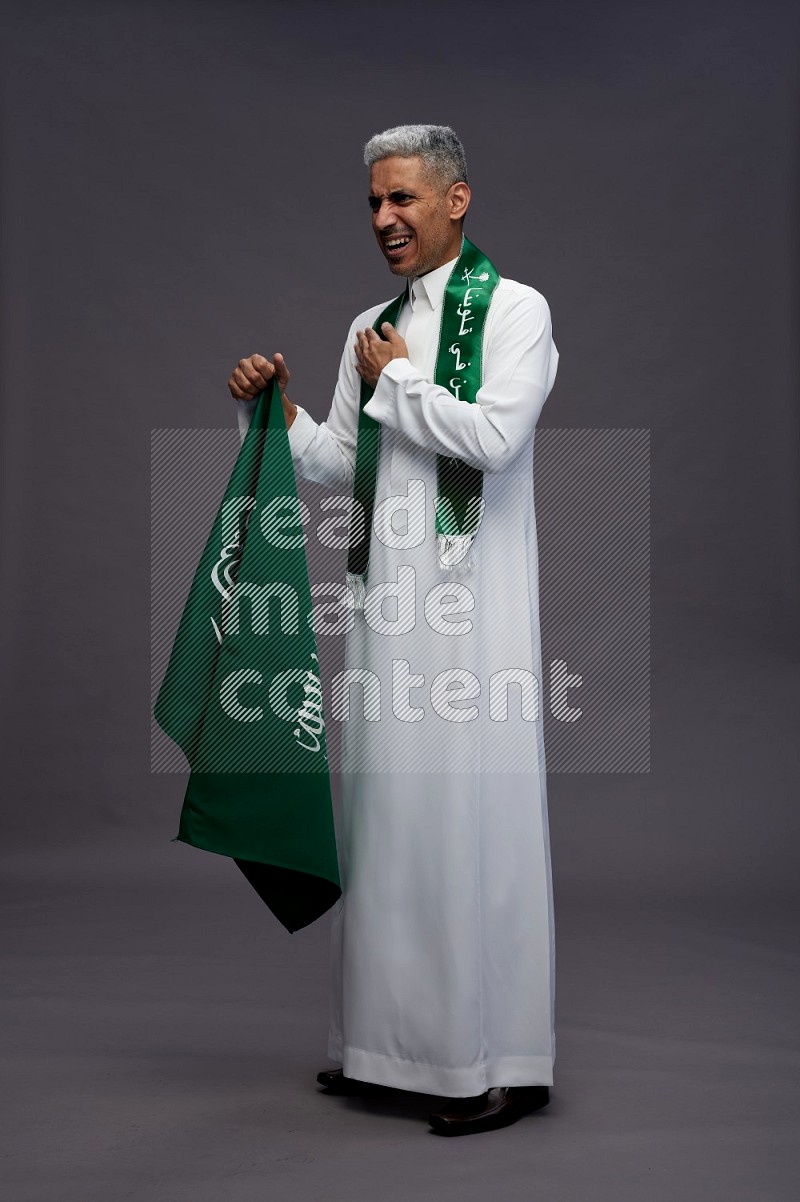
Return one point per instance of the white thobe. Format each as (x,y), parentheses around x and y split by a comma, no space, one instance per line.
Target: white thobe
(443,952)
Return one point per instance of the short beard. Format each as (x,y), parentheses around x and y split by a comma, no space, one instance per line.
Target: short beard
(420,269)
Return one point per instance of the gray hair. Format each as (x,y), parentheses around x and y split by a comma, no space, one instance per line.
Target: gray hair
(437,145)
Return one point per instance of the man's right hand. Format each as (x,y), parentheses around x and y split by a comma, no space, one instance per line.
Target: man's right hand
(251,376)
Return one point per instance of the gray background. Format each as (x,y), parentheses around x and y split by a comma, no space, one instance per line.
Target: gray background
(182,186)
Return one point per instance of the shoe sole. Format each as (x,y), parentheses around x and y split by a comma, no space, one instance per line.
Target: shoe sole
(440,1126)
(348,1087)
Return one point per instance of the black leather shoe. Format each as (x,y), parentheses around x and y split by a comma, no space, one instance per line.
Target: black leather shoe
(335,1081)
(496,1108)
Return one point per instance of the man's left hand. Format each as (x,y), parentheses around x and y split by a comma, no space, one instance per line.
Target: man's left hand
(373,353)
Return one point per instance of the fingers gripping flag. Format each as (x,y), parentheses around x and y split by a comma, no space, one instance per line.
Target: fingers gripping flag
(242,696)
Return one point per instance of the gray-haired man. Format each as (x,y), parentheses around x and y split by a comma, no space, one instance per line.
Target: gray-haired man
(443,941)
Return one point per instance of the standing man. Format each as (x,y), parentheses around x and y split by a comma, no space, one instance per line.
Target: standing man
(442,958)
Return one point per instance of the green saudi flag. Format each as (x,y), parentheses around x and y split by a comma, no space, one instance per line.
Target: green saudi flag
(242,696)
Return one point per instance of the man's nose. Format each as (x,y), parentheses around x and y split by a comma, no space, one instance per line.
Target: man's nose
(385,216)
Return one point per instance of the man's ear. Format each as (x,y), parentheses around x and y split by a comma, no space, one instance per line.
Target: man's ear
(459,198)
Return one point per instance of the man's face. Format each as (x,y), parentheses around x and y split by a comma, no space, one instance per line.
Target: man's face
(407,205)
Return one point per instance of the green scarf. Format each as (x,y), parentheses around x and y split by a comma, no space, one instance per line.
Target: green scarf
(459,363)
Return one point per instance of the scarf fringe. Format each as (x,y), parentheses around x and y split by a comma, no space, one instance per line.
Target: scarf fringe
(357,585)
(456,555)
(456,552)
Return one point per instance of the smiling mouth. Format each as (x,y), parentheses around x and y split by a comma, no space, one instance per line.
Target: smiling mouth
(394,247)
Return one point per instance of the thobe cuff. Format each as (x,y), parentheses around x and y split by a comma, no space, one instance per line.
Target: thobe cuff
(301,432)
(244,415)
(382,405)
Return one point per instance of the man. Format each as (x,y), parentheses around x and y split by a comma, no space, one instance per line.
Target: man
(443,942)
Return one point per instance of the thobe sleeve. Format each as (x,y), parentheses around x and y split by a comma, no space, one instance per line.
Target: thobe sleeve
(323,451)
(520,361)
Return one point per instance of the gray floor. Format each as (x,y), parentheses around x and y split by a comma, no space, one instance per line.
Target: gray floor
(163,1032)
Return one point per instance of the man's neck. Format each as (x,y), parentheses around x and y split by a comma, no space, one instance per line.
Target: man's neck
(453,254)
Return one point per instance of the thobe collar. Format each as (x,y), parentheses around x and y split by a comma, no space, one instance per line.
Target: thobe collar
(433,284)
